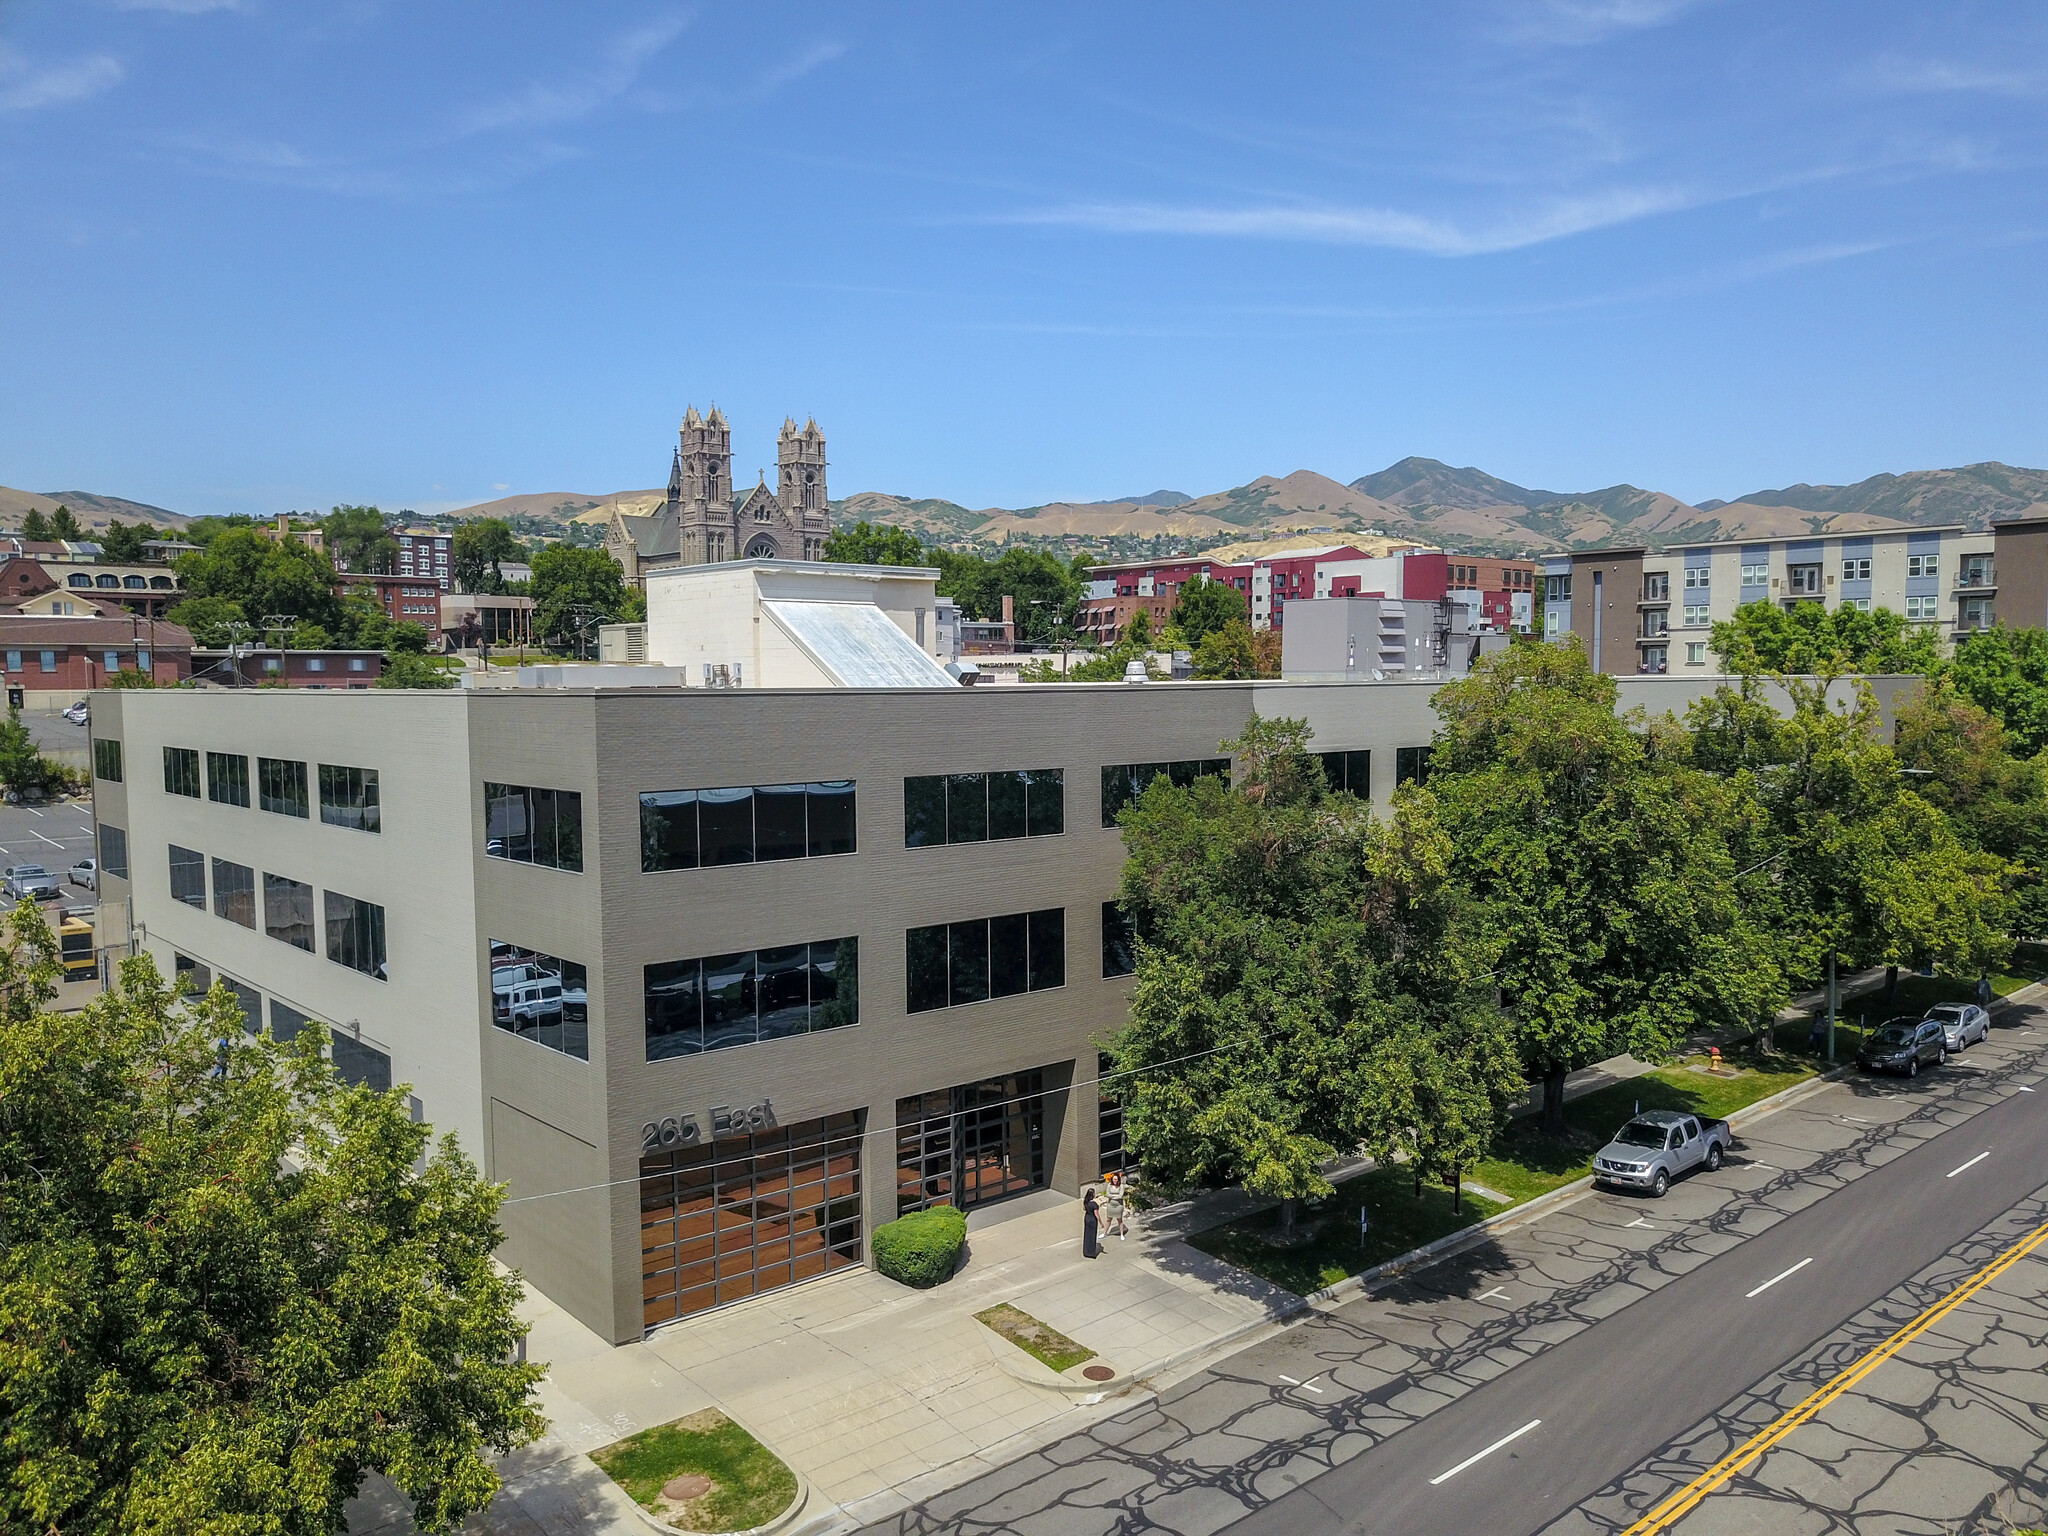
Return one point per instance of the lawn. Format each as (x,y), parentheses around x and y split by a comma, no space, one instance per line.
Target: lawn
(1522,1165)
(749,1486)
(1041,1341)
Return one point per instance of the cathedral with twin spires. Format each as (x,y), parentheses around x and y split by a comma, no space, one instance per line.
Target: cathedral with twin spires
(702,521)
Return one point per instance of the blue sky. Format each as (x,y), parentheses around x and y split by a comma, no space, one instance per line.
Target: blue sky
(263,254)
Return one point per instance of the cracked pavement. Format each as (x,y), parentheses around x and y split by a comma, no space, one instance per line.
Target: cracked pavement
(1614,1342)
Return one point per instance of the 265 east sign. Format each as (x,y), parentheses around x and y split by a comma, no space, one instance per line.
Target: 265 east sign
(683,1130)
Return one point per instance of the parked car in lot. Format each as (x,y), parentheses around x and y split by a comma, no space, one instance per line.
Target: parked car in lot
(1904,1046)
(86,872)
(19,880)
(1656,1147)
(1961,1024)
(79,713)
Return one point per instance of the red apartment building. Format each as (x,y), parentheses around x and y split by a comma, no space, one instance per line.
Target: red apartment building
(56,659)
(295,669)
(1116,592)
(426,555)
(406,599)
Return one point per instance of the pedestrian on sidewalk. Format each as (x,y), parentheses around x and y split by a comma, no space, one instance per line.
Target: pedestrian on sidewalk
(1115,1198)
(1089,1223)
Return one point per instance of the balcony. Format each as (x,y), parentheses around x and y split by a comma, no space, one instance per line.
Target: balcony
(1984,580)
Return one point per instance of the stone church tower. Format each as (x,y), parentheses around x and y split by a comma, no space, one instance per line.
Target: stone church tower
(702,522)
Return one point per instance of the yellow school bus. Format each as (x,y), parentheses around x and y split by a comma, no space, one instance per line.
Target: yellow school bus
(74,945)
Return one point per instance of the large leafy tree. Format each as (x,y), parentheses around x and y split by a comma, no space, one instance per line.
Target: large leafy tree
(1599,863)
(868,543)
(1238,651)
(358,540)
(231,1287)
(1207,607)
(1304,982)
(1045,592)
(1810,638)
(480,548)
(573,589)
(35,526)
(264,577)
(2005,672)
(122,542)
(214,621)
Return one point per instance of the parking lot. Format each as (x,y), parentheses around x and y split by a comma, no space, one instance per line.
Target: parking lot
(56,837)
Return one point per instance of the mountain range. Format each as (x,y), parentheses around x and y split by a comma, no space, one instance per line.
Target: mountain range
(1419,500)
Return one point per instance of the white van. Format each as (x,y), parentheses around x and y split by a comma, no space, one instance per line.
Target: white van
(531,1001)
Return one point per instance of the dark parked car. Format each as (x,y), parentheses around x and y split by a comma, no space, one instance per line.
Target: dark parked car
(1904,1046)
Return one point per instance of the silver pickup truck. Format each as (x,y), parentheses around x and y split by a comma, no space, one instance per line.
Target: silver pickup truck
(1657,1146)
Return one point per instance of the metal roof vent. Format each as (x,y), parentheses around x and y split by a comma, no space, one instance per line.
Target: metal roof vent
(1134,672)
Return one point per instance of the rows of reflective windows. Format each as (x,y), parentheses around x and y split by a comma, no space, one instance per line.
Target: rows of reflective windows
(541,998)
(358,1062)
(534,826)
(745,824)
(1124,782)
(720,1001)
(349,797)
(983,807)
(355,928)
(952,964)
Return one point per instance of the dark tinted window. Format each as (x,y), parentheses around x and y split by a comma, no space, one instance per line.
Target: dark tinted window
(953,964)
(541,998)
(249,1000)
(113,851)
(668,830)
(675,1009)
(739,999)
(234,892)
(349,798)
(285,1020)
(181,771)
(227,778)
(835,983)
(1411,763)
(355,934)
(188,877)
(924,812)
(1119,944)
(1007,796)
(281,786)
(785,990)
(1048,948)
(966,808)
(1116,791)
(1351,771)
(1124,782)
(288,911)
(725,821)
(361,1065)
(779,830)
(198,979)
(925,968)
(831,808)
(106,759)
(1048,802)
(1009,955)
(533,826)
(967,961)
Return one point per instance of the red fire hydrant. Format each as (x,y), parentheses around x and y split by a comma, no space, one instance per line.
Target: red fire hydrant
(1713,1058)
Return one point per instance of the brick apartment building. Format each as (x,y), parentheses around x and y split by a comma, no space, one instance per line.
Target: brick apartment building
(56,658)
(256,665)
(404,599)
(425,555)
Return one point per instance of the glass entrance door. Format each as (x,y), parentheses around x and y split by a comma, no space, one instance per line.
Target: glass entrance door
(972,1144)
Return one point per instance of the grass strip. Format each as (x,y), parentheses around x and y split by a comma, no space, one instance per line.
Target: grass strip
(1043,1343)
(749,1484)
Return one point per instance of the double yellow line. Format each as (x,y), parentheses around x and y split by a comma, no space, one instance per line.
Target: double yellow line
(1682,1502)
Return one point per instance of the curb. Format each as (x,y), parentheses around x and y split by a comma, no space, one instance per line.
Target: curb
(781,1522)
(1021,1365)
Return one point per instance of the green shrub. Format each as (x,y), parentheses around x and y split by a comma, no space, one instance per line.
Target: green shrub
(921,1249)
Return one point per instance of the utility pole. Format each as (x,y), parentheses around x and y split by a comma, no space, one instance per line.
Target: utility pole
(1831,1005)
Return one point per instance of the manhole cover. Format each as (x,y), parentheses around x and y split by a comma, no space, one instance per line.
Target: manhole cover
(1099,1373)
(680,1490)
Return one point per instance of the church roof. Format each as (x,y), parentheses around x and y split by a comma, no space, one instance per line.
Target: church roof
(656,535)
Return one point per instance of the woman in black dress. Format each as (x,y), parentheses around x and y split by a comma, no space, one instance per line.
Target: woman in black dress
(1090,1221)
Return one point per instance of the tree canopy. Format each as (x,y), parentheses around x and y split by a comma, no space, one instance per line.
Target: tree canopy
(1207,607)
(1812,638)
(868,543)
(232,1287)
(121,543)
(2005,673)
(566,579)
(479,550)
(1045,592)
(358,540)
(264,577)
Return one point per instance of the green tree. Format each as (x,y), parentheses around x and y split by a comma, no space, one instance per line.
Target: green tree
(203,530)
(358,540)
(1810,638)
(2005,672)
(35,527)
(1599,864)
(633,607)
(1304,982)
(481,547)
(1236,651)
(65,526)
(566,579)
(408,669)
(875,544)
(232,1287)
(264,578)
(211,620)
(22,766)
(1044,592)
(121,544)
(1207,607)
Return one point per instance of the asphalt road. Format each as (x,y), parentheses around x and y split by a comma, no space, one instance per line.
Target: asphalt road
(1617,1393)
(1562,1366)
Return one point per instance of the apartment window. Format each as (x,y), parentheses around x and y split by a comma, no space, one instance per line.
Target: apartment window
(227,778)
(1975,613)
(721,1001)
(316,664)
(540,998)
(188,877)
(1124,782)
(535,826)
(358,664)
(1922,565)
(1553,622)
(1656,621)
(1976,571)
(1803,579)
(1655,658)
(983,807)
(360,1065)
(1923,608)
(1695,578)
(692,828)
(181,771)
(1860,604)
(273,664)
(46,661)
(1695,653)
(144,663)
(106,759)
(111,660)
(234,892)
(1695,615)
(113,851)
(1350,771)
(14,661)
(355,934)
(1857,569)
(288,911)
(1657,587)
(1756,575)
(953,964)
(281,786)
(1411,765)
(1557,589)
(1119,942)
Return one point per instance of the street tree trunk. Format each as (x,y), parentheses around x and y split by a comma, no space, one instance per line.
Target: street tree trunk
(1553,1100)
(1891,988)
(1287,1218)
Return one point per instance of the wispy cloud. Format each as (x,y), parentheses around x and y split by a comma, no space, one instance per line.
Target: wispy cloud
(1572,23)
(1390,228)
(546,104)
(1906,76)
(25,85)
